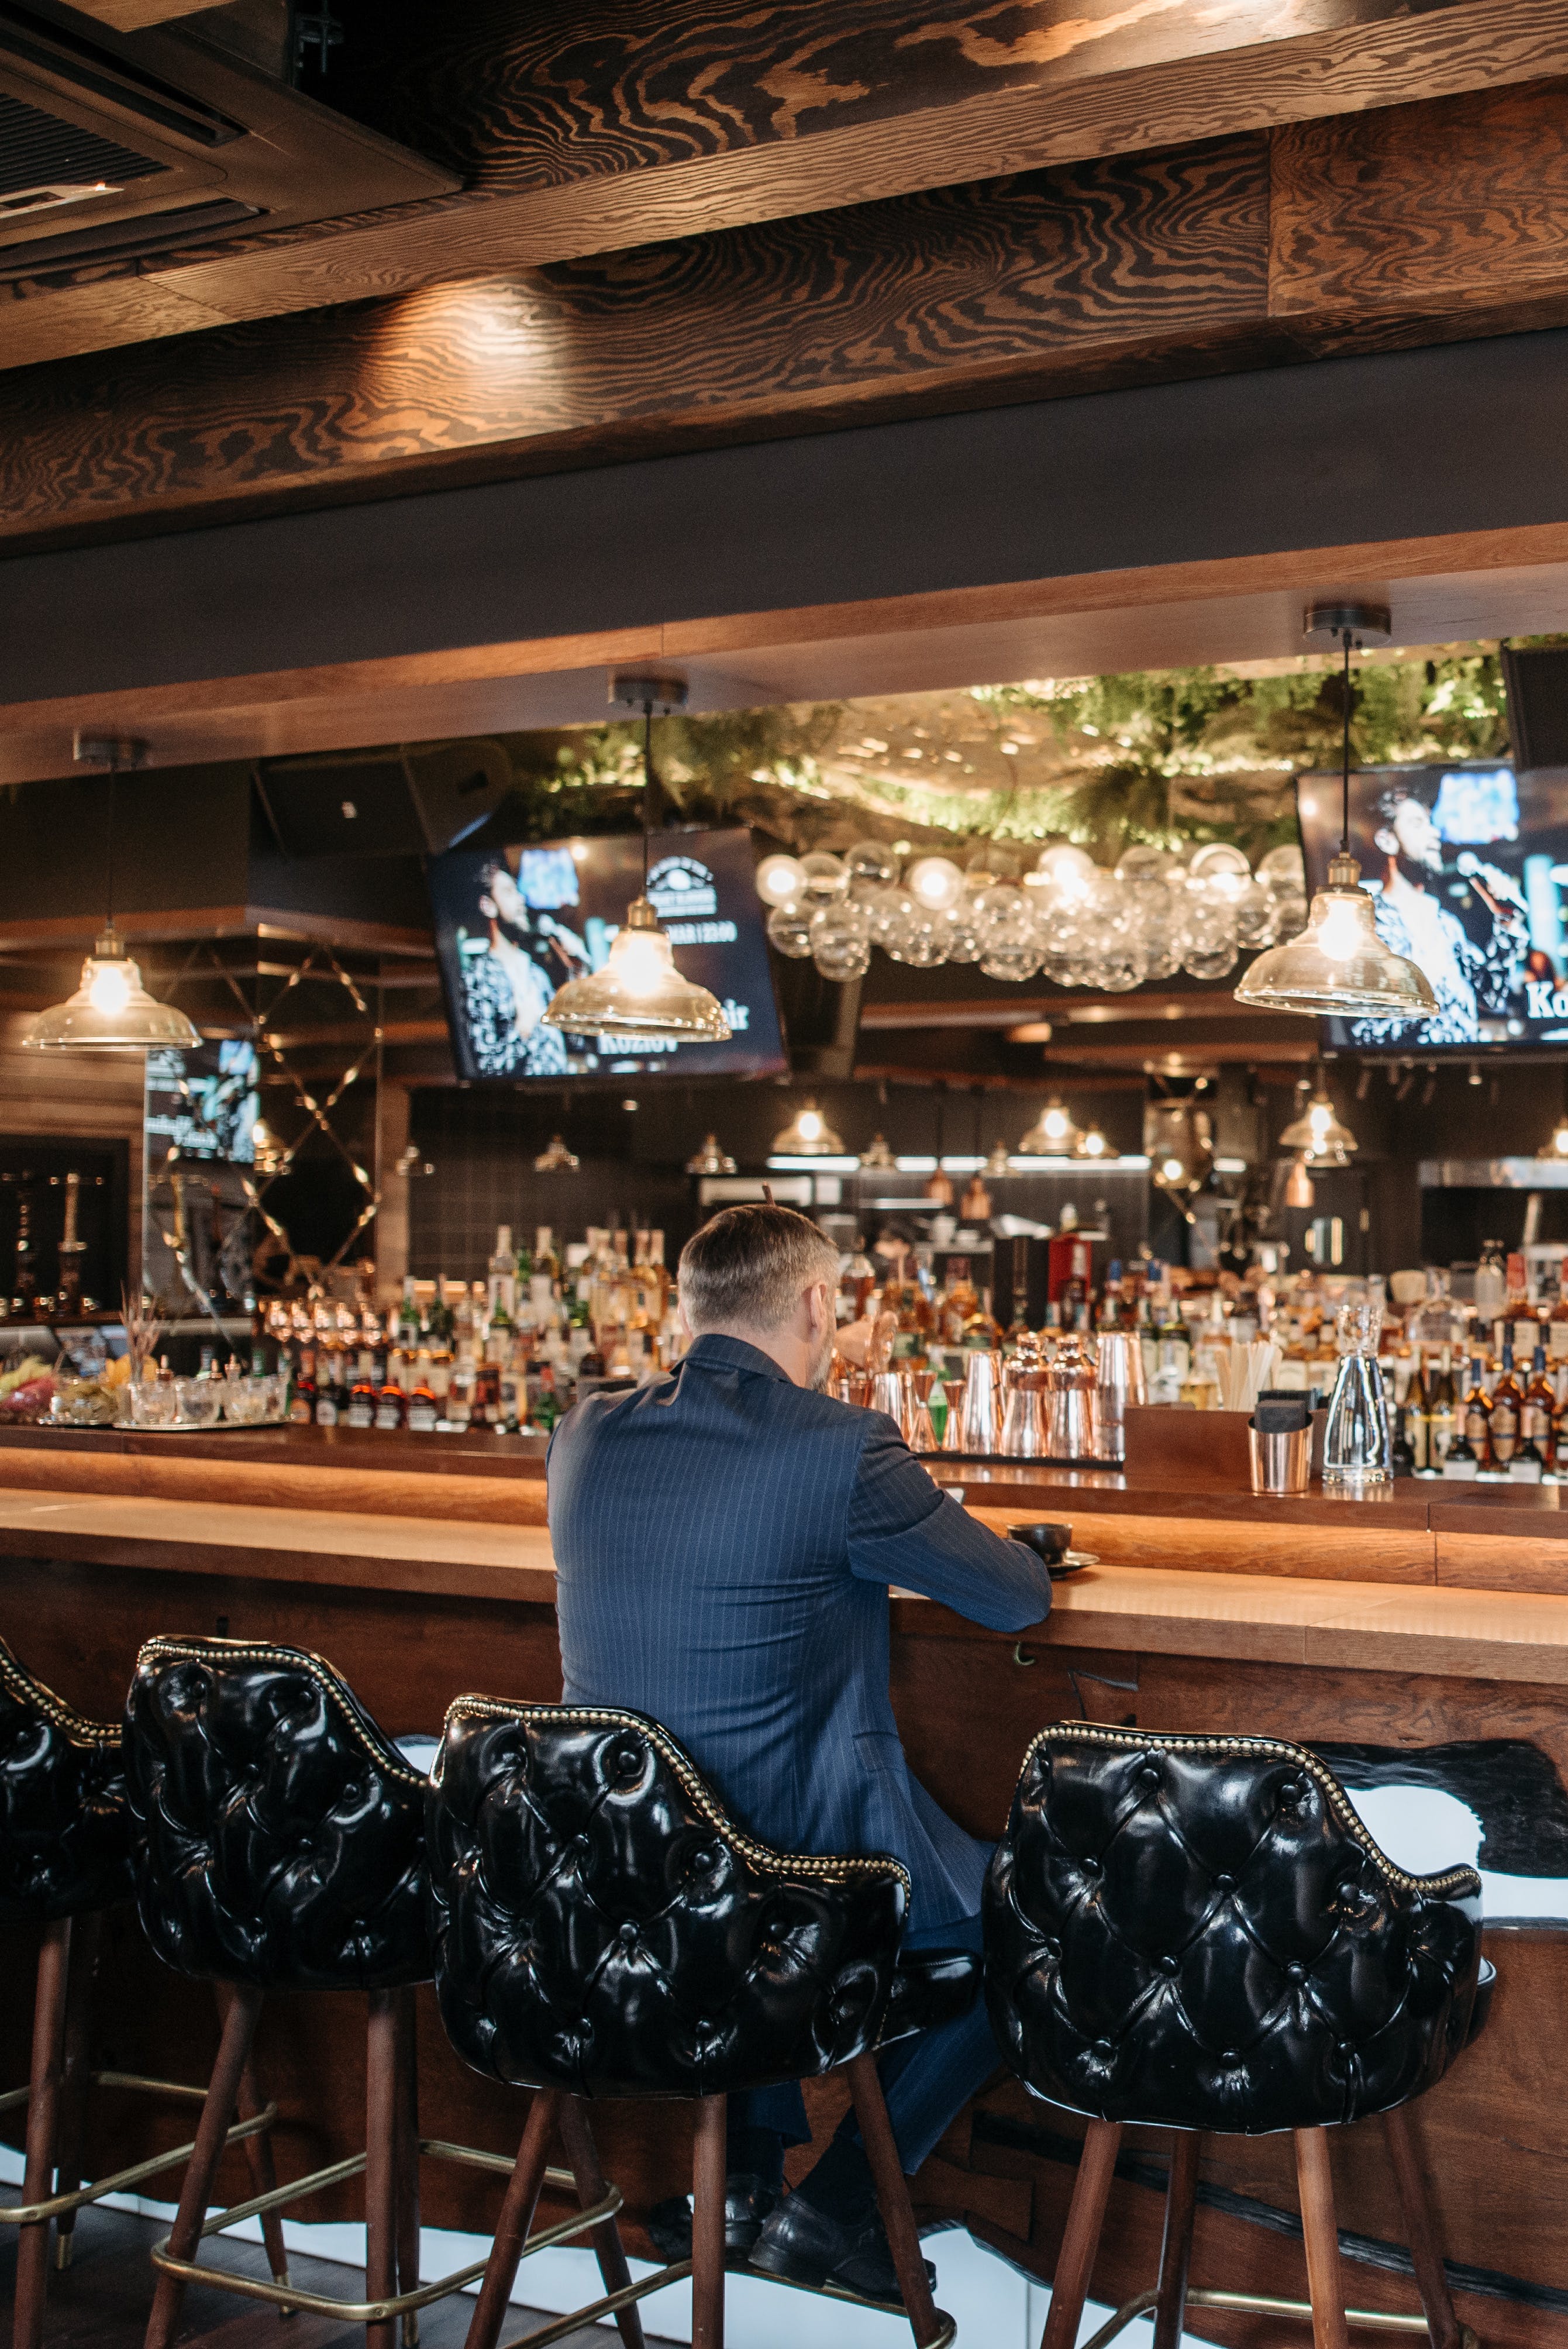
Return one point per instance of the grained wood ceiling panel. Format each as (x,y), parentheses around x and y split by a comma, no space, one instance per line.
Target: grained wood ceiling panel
(1104,95)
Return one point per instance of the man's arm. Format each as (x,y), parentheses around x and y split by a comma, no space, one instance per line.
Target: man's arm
(902,1530)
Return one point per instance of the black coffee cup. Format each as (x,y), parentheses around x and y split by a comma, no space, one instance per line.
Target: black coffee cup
(1049,1543)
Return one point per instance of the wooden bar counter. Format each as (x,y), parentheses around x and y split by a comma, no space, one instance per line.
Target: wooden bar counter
(1435,1618)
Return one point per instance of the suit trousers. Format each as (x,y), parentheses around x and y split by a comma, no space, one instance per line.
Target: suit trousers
(927,2079)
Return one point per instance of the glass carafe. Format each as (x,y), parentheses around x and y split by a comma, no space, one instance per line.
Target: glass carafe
(1357,1448)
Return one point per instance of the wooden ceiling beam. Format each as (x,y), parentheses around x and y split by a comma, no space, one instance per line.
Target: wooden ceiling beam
(136,16)
(1358,233)
(778,136)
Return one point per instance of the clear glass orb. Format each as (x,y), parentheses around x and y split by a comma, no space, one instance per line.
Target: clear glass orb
(1066,871)
(936,882)
(1283,870)
(790,928)
(1145,869)
(923,941)
(779,878)
(822,876)
(841,936)
(1209,947)
(1010,946)
(870,864)
(1254,912)
(963,932)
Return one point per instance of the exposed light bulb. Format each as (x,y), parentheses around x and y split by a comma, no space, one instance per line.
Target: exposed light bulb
(1172,1169)
(109,990)
(779,878)
(1340,934)
(936,882)
(809,1125)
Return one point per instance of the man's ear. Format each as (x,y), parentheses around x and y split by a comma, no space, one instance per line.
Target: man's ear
(1387,840)
(818,1308)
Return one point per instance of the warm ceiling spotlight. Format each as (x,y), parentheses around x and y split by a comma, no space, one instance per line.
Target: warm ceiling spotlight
(1339,965)
(112,1010)
(638,992)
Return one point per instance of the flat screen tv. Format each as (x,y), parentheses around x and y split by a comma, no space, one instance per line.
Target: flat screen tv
(514,924)
(1469,865)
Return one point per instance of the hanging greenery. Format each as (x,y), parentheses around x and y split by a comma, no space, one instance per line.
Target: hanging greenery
(1156,757)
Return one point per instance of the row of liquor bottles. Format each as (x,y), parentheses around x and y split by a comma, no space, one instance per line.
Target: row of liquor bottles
(1475,1418)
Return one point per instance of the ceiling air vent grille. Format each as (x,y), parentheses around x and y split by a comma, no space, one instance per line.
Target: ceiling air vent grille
(37,149)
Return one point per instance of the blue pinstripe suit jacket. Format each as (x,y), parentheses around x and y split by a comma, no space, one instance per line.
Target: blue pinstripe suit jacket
(724,1541)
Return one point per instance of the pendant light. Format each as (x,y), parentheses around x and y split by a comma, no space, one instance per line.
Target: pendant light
(975,1205)
(808,1135)
(1053,1134)
(639,991)
(1318,1134)
(112,1010)
(1557,1142)
(710,1159)
(1299,1188)
(1091,1143)
(878,1159)
(998,1164)
(1339,965)
(556,1160)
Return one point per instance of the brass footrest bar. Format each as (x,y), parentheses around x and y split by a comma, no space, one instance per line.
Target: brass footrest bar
(290,2297)
(27,2214)
(1252,2304)
(679,2270)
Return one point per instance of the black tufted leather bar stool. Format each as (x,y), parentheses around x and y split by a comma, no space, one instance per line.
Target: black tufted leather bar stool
(281,1846)
(604,1930)
(1198,1933)
(65,1858)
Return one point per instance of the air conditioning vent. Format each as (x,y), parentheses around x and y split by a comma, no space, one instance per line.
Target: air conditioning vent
(123,240)
(38,150)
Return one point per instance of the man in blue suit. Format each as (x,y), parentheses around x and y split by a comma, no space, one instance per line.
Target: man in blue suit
(725,1539)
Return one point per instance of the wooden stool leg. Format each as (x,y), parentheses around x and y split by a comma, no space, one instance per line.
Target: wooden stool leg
(1426,2247)
(201,2171)
(258,2151)
(1176,2249)
(383,2132)
(409,2159)
(584,2155)
(86,1945)
(708,2184)
(892,2197)
(516,2218)
(1080,2236)
(1325,2280)
(43,2131)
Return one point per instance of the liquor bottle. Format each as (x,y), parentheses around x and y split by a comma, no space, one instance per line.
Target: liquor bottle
(423,1409)
(1557,1319)
(1507,1411)
(1416,1421)
(441,1374)
(547,1410)
(1441,1412)
(391,1403)
(1475,1422)
(502,1286)
(1461,1460)
(331,1399)
(1491,1280)
(545,1261)
(499,1335)
(1535,1425)
(361,1412)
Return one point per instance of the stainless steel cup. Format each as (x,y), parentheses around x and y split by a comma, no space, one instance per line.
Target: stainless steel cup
(890,1393)
(1023,1422)
(1119,1380)
(1072,1405)
(1280,1462)
(982,1413)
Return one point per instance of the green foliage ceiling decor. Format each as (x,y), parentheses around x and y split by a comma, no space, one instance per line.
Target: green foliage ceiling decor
(1160,757)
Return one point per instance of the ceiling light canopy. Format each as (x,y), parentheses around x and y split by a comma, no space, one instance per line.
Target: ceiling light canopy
(1339,964)
(638,992)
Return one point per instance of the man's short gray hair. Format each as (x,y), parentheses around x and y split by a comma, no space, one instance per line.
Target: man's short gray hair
(748,1267)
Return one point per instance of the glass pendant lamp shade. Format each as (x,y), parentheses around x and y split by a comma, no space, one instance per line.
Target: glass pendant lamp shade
(1092,1143)
(639,991)
(710,1159)
(997,1164)
(1318,1134)
(975,1205)
(1052,1135)
(878,1159)
(557,1159)
(808,1135)
(1339,964)
(111,1011)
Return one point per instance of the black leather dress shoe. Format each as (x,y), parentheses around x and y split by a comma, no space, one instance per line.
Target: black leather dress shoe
(747,2203)
(802,2244)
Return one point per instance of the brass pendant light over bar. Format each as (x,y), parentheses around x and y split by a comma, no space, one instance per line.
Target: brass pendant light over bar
(112,1010)
(808,1135)
(1318,1134)
(710,1159)
(639,991)
(1339,965)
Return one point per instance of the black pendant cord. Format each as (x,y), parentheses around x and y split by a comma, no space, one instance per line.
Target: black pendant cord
(648,785)
(1344,812)
(109,885)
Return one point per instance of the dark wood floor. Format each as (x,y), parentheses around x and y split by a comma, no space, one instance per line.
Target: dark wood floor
(101,2303)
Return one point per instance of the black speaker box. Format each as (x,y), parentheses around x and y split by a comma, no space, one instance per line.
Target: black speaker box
(1536,678)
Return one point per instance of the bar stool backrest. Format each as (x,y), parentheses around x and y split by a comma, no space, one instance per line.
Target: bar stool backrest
(279,1836)
(603,1926)
(65,1830)
(1197,1932)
